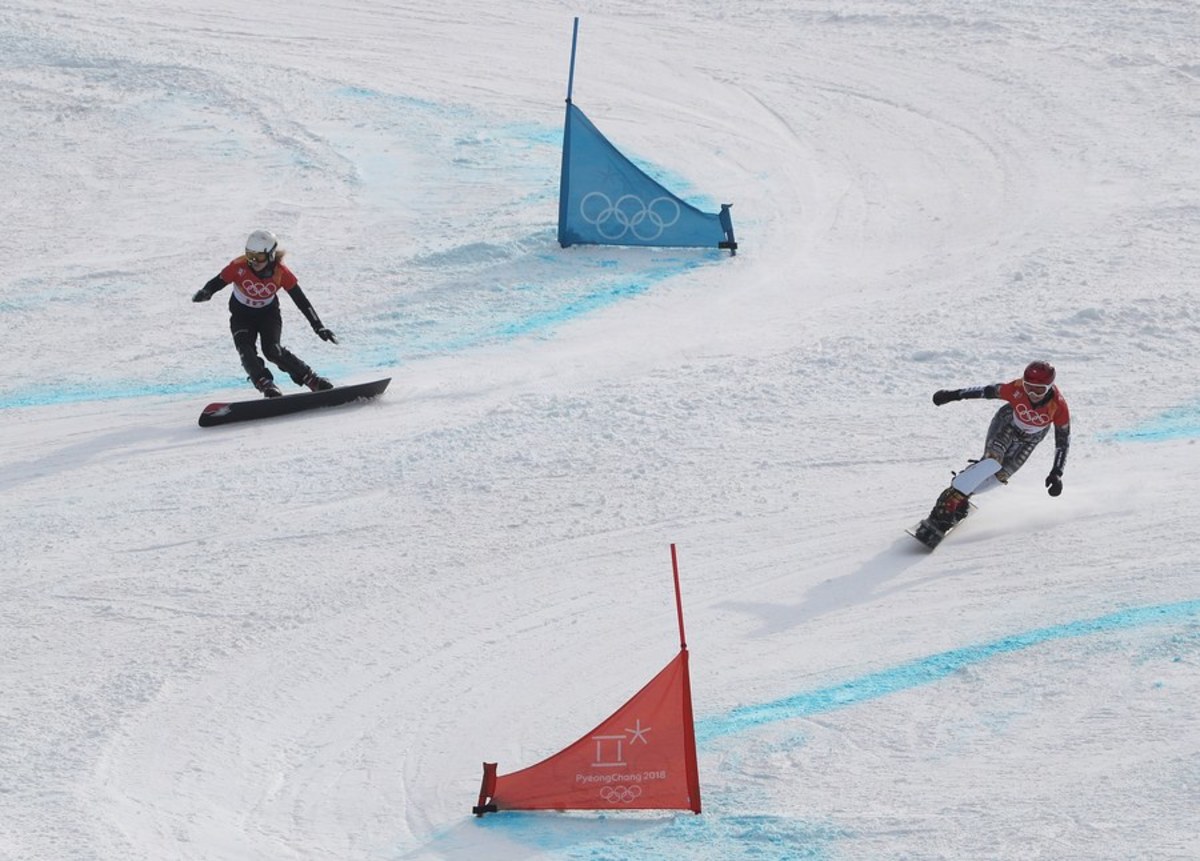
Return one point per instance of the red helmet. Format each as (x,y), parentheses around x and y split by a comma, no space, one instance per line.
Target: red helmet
(1038,380)
(1039,373)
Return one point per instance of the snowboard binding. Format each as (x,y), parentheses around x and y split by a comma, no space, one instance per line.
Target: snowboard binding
(954,503)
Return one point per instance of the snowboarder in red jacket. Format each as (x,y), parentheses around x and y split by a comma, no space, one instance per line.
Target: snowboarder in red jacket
(257,276)
(1033,404)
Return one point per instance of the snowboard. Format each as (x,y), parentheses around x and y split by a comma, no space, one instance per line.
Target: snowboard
(928,534)
(975,478)
(262,408)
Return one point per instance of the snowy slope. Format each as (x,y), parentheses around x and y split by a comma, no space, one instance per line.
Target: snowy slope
(299,639)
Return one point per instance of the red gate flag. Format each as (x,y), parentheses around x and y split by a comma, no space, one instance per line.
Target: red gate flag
(642,757)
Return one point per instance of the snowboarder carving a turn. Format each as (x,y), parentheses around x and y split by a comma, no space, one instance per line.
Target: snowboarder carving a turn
(1033,404)
(257,276)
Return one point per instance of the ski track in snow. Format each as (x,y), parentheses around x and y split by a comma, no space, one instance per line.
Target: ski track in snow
(299,639)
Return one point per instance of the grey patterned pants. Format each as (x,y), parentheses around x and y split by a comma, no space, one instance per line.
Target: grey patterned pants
(1009,444)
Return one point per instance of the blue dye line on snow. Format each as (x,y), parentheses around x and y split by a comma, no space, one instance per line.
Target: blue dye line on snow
(490,331)
(543,321)
(932,669)
(732,837)
(1181,422)
(412,343)
(76,394)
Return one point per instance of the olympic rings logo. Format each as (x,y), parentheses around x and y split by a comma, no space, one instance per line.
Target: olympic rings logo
(1031,417)
(259,290)
(629,214)
(620,794)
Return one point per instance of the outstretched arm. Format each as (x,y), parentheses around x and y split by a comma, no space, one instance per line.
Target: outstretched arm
(945,396)
(206,292)
(310,314)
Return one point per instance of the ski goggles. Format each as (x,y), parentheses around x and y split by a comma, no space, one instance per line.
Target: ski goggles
(1037,391)
(256,257)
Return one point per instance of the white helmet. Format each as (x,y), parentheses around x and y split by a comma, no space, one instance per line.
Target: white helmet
(260,248)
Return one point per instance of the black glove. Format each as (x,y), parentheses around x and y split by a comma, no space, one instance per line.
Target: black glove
(945,396)
(324,334)
(1054,482)
(202,295)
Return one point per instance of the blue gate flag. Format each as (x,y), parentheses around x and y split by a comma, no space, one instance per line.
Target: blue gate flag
(605,199)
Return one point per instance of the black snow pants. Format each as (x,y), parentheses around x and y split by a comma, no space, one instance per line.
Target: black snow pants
(249,325)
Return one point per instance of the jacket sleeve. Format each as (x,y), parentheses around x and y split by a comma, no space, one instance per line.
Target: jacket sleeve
(306,308)
(991,392)
(1062,443)
(945,396)
(206,292)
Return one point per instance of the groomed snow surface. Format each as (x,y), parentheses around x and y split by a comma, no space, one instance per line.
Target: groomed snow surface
(300,638)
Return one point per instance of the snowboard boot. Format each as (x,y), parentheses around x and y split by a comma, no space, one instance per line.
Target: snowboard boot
(316,382)
(268,388)
(951,507)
